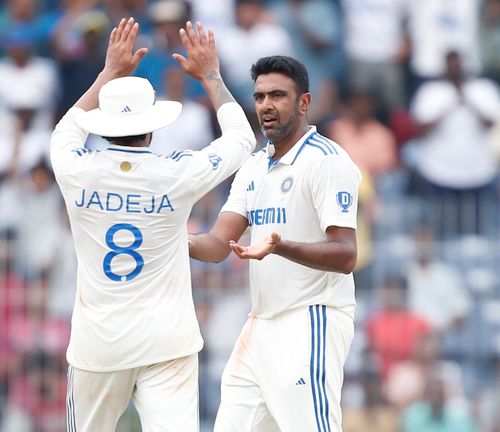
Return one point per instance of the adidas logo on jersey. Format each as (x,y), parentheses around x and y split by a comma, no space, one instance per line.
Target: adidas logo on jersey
(251,187)
(301,381)
(126,109)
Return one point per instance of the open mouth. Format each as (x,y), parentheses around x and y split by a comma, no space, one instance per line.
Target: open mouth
(268,121)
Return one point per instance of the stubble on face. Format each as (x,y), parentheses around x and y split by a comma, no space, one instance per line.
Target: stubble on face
(281,130)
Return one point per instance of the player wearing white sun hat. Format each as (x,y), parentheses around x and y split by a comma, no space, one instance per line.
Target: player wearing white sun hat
(134,330)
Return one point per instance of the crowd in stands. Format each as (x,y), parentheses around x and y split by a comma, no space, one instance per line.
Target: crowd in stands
(409,88)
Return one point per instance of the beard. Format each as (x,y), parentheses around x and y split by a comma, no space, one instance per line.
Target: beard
(280,130)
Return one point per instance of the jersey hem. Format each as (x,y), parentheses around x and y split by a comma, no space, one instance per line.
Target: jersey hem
(134,365)
(348,309)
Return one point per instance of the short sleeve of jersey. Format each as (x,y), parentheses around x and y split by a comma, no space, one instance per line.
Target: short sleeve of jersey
(237,201)
(334,189)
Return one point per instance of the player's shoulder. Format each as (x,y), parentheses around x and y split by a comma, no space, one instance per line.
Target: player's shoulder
(317,146)
(256,158)
(322,153)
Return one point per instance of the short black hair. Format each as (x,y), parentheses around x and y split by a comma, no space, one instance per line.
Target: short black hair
(285,65)
(127,140)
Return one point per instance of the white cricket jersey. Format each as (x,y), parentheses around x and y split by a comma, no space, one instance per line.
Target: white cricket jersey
(312,187)
(128,210)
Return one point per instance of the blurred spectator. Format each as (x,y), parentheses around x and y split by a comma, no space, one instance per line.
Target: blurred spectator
(375,415)
(435,413)
(55,27)
(23,142)
(15,13)
(215,14)
(436,290)
(406,381)
(376,47)
(394,330)
(85,60)
(61,274)
(37,398)
(38,229)
(12,295)
(490,39)
(367,208)
(317,36)
(369,143)
(437,27)
(193,128)
(68,40)
(489,401)
(167,17)
(26,79)
(454,162)
(255,35)
(118,9)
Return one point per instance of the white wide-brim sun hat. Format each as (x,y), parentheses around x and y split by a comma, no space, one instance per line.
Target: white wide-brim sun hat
(127,107)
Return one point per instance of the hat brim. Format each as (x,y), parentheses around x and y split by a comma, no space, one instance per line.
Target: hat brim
(161,114)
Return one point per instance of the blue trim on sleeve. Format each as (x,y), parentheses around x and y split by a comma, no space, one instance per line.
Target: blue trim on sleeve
(176,155)
(129,151)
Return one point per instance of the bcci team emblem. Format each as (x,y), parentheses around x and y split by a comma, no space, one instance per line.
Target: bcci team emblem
(287,184)
(215,160)
(344,200)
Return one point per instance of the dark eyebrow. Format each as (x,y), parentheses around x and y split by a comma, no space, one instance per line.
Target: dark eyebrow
(271,92)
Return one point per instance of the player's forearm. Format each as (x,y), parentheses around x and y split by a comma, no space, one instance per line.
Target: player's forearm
(90,99)
(207,247)
(327,256)
(216,89)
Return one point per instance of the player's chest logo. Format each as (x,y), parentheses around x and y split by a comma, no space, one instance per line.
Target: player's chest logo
(286,184)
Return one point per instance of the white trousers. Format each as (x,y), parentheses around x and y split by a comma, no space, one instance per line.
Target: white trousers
(286,374)
(165,395)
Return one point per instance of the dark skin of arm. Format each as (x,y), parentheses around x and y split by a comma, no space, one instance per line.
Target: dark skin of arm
(337,253)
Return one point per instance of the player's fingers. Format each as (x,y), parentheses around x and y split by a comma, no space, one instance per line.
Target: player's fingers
(127,29)
(201,33)
(112,37)
(237,253)
(138,55)
(238,249)
(186,42)
(132,36)
(119,30)
(211,38)
(192,34)
(181,59)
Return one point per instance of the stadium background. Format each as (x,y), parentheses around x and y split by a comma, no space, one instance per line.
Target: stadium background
(427,348)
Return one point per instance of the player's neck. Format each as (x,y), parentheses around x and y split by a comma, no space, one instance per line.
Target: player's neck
(282,146)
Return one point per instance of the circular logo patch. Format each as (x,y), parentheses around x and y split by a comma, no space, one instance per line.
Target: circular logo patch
(125,166)
(287,184)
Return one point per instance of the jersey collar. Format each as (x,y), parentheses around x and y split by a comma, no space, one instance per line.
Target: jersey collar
(291,155)
(128,149)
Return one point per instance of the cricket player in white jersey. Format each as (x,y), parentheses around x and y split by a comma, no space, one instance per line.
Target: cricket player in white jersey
(298,196)
(134,330)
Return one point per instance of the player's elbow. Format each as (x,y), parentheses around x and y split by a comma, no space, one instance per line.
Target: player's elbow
(349,261)
(349,266)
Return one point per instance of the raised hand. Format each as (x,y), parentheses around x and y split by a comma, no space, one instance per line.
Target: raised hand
(258,250)
(202,61)
(121,60)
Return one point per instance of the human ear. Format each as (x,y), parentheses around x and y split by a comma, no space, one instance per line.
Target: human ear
(304,102)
